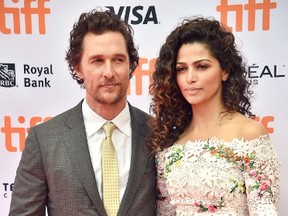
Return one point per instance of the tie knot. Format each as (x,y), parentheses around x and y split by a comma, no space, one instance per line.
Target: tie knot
(109,128)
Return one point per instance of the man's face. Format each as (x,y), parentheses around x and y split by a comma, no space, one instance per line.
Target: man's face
(104,66)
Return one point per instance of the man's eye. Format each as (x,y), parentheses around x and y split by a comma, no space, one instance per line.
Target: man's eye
(98,60)
(119,60)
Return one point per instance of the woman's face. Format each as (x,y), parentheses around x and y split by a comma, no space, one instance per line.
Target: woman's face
(199,75)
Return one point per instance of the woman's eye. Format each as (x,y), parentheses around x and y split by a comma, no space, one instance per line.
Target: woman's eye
(201,66)
(180,69)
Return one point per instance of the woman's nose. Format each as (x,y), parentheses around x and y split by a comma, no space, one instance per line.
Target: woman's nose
(191,76)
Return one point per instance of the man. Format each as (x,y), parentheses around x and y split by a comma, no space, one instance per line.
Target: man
(61,165)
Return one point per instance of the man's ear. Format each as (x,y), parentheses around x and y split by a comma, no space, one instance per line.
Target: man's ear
(78,72)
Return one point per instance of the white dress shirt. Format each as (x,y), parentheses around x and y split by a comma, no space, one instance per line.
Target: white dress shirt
(121,138)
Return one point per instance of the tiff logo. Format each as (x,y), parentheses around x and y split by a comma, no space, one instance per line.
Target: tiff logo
(11,131)
(16,14)
(251,7)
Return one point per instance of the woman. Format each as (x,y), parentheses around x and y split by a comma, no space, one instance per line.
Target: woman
(212,158)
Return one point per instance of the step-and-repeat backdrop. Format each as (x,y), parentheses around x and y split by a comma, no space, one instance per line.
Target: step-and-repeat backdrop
(35,83)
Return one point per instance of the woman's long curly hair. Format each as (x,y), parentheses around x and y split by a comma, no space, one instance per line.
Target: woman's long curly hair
(172,113)
(98,22)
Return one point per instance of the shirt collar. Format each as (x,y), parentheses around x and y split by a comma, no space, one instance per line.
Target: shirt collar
(94,122)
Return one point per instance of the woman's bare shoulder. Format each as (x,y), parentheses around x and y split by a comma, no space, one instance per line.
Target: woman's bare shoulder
(248,128)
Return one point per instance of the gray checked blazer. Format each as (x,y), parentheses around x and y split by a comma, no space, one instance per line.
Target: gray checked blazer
(55,171)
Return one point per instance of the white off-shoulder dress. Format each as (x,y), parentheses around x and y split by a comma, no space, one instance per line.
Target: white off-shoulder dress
(215,177)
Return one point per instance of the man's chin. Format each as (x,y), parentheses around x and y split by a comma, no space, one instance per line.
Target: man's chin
(110,100)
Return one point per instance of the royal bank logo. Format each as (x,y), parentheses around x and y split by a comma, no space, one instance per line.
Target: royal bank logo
(7,75)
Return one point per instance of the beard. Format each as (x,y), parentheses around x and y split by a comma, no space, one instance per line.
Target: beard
(106,96)
(110,98)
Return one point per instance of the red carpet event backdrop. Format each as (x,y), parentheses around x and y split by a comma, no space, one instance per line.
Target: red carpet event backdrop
(35,83)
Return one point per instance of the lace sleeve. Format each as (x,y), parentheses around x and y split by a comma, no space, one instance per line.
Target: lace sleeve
(262,177)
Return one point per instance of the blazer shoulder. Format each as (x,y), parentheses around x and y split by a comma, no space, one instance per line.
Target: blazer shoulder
(137,113)
(67,117)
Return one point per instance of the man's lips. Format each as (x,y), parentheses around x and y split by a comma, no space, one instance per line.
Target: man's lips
(108,84)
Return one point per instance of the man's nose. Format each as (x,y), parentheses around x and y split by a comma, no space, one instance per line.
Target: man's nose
(108,70)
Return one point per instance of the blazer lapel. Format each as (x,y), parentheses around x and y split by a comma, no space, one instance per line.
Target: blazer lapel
(138,161)
(77,147)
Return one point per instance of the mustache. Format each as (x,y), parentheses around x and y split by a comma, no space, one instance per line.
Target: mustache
(111,81)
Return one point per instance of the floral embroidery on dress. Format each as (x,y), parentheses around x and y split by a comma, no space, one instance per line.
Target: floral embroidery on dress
(239,186)
(262,182)
(174,159)
(217,177)
(210,208)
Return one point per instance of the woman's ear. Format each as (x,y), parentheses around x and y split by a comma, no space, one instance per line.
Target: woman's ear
(225,75)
